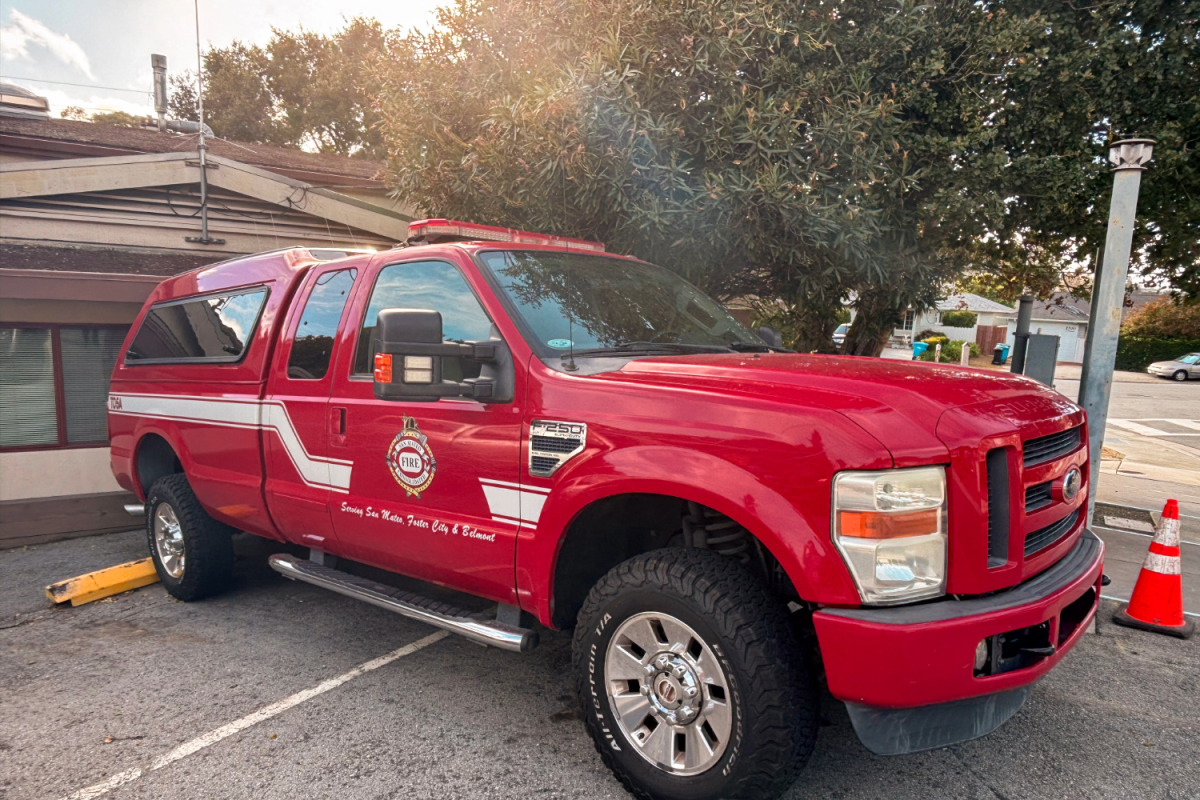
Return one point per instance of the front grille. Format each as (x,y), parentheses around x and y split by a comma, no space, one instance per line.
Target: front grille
(1047,448)
(997,489)
(1037,497)
(546,444)
(1044,537)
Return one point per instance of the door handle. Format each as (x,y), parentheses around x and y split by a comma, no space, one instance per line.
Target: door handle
(337,421)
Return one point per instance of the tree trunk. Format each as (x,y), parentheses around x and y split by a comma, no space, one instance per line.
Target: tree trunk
(873,325)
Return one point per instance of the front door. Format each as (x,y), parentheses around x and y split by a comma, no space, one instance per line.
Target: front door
(297,423)
(424,473)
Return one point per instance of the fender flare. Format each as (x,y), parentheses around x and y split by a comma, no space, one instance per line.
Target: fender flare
(806,554)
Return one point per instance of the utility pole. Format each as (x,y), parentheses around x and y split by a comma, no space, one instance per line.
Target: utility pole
(203,238)
(1129,158)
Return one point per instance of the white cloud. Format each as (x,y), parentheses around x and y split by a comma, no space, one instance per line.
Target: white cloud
(23,31)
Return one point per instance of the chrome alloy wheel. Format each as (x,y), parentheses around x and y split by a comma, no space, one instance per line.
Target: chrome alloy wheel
(168,540)
(668,693)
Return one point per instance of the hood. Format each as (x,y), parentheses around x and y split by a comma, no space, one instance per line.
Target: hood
(897,402)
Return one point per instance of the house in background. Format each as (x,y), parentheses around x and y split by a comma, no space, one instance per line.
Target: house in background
(92,218)
(990,325)
(1066,316)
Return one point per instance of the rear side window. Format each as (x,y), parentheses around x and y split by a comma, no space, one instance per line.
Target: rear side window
(210,329)
(313,345)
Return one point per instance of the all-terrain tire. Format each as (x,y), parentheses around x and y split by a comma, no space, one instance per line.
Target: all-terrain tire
(207,543)
(774,698)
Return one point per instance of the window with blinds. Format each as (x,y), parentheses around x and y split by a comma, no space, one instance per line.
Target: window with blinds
(88,357)
(29,413)
(31,392)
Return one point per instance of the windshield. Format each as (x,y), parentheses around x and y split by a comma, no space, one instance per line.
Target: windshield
(1192,358)
(598,303)
(845,326)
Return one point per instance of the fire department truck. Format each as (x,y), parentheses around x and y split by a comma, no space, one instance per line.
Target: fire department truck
(589,442)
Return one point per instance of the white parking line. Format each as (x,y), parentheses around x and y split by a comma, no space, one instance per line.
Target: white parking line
(1136,426)
(212,737)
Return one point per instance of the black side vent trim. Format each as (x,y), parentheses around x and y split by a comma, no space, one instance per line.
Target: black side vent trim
(1048,448)
(998,507)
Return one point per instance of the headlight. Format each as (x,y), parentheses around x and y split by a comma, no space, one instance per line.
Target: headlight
(890,527)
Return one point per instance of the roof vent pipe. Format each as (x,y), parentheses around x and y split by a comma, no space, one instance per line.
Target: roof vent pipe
(159,64)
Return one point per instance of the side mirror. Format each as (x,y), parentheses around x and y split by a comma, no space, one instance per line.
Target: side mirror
(771,337)
(408,360)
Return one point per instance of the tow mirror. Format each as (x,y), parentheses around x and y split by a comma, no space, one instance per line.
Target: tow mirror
(409,349)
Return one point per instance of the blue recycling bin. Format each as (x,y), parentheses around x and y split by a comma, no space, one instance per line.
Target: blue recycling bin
(918,348)
(1000,354)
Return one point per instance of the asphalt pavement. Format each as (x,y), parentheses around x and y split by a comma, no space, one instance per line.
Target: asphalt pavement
(261,693)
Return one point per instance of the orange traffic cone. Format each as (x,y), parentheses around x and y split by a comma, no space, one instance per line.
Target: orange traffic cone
(1157,602)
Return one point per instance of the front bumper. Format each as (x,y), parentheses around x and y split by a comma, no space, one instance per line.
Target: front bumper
(907,673)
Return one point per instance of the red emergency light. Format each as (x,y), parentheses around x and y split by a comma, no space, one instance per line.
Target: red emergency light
(449,230)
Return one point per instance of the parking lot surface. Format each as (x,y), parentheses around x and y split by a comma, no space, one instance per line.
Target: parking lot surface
(95,697)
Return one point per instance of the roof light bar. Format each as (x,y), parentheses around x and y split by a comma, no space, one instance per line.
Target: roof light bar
(446,230)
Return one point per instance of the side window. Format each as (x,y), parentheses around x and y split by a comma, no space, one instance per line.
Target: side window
(313,344)
(433,285)
(214,328)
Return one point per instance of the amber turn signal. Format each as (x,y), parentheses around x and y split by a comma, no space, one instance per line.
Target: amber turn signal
(874,525)
(383,367)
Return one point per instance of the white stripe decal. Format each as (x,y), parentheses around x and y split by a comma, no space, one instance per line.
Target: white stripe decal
(503,502)
(323,473)
(531,506)
(511,502)
(492,482)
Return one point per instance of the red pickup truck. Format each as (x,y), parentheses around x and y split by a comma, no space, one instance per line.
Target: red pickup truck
(589,441)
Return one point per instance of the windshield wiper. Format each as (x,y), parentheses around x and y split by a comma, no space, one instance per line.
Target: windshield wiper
(749,347)
(628,348)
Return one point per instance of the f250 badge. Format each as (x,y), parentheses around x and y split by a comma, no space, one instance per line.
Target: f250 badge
(411,459)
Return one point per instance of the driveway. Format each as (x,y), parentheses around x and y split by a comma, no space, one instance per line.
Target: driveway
(282,690)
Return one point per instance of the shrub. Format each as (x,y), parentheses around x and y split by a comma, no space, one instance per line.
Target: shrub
(951,351)
(1135,353)
(959,319)
(925,334)
(936,339)
(1164,319)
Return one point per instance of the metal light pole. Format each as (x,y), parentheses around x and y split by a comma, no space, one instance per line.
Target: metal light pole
(1129,157)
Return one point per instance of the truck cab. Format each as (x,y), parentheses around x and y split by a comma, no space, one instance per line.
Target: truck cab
(590,442)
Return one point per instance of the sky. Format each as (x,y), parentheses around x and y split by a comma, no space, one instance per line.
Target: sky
(107,43)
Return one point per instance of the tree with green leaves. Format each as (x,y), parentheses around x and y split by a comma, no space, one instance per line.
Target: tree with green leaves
(808,154)
(301,89)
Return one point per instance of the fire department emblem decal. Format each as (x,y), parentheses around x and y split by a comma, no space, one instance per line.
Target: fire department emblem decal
(411,459)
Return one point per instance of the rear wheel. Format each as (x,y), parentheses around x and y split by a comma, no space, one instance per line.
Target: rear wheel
(693,684)
(1181,375)
(192,552)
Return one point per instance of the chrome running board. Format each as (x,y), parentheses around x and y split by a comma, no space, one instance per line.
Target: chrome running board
(407,604)
(135,509)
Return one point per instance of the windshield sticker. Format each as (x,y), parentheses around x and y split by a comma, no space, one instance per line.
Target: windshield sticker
(559,344)
(411,460)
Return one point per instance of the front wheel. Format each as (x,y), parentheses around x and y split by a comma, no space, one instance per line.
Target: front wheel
(1181,375)
(192,552)
(693,684)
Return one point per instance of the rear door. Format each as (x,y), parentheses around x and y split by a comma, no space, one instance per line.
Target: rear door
(433,490)
(296,417)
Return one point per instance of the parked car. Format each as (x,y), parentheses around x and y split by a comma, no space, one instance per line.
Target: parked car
(1179,369)
(590,442)
(839,335)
